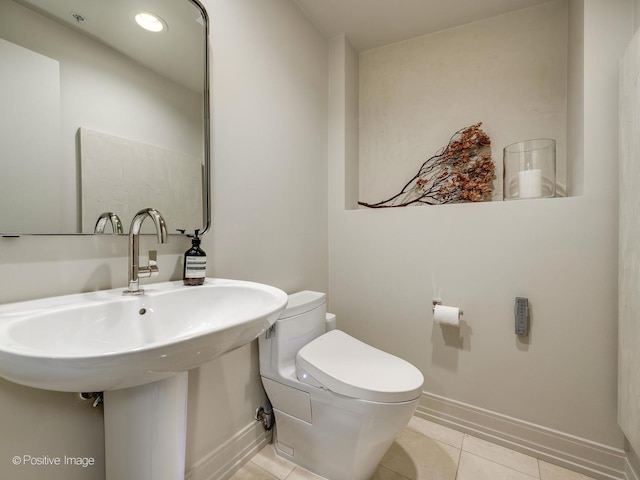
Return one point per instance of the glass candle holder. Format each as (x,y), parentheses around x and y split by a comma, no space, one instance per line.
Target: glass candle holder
(529,169)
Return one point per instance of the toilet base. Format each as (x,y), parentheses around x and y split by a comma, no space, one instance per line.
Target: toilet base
(347,437)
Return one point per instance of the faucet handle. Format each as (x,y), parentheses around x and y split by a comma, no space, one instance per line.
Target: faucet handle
(150,270)
(153,263)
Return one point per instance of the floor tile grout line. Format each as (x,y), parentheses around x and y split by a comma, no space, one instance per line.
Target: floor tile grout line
(539,471)
(459,459)
(267,471)
(507,449)
(441,440)
(290,473)
(504,466)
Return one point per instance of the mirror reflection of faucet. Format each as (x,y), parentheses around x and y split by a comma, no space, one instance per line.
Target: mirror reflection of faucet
(134,269)
(105,217)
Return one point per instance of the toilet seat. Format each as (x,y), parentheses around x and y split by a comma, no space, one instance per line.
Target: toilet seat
(347,366)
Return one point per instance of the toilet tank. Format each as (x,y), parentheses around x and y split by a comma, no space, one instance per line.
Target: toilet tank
(303,320)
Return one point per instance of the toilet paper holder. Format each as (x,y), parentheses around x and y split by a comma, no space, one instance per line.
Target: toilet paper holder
(437,301)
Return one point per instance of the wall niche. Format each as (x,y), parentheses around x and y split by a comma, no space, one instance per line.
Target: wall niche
(519,73)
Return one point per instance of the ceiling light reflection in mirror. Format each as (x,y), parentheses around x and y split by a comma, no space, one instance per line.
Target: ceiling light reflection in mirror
(150,22)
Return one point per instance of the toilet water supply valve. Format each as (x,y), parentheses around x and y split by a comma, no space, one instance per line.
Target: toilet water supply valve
(265,417)
(97,397)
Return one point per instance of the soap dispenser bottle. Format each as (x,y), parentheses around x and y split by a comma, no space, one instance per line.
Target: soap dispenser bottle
(195,262)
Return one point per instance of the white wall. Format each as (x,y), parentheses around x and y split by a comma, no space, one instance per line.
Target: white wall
(270,145)
(386,266)
(628,307)
(269,189)
(629,231)
(269,224)
(29,137)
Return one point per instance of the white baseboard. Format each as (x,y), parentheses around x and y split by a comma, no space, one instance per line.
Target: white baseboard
(630,472)
(584,456)
(225,460)
(632,466)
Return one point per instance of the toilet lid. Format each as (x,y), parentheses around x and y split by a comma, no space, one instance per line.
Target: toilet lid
(352,368)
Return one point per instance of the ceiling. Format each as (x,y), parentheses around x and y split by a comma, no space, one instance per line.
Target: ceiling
(177,53)
(373,23)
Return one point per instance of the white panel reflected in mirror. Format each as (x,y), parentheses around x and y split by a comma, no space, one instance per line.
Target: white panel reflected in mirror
(124,176)
(29,138)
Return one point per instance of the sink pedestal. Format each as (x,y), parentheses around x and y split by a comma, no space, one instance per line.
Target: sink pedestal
(145,430)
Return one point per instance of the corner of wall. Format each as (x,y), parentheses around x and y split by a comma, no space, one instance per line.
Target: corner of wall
(352,124)
(632,466)
(575,100)
(343,124)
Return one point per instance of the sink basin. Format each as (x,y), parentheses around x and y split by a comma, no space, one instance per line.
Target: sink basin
(103,340)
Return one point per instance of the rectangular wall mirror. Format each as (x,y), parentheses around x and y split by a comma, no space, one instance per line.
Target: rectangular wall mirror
(100,115)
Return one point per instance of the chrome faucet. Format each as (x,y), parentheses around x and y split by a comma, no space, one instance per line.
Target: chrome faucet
(135,270)
(105,217)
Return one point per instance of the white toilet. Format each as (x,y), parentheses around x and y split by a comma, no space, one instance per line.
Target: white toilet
(338,403)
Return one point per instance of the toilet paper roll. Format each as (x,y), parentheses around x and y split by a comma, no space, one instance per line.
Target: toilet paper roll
(447,315)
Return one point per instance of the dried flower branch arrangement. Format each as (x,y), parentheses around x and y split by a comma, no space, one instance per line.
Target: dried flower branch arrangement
(463,171)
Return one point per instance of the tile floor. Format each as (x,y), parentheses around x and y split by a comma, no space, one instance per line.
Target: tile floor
(426,451)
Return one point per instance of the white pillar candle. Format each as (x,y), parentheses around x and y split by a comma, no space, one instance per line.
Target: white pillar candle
(530,183)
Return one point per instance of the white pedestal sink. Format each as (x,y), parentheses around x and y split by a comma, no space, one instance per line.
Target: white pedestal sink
(136,349)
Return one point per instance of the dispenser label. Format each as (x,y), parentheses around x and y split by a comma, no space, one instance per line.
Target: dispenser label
(195,267)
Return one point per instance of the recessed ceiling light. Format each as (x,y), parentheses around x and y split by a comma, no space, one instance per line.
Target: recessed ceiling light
(150,22)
